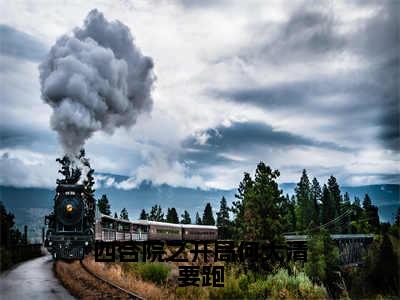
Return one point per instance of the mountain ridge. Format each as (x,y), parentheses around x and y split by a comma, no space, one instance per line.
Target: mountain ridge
(145,195)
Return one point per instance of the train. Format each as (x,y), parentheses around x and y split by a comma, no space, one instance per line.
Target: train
(76,223)
(113,229)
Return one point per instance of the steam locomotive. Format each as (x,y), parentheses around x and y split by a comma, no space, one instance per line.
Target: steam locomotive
(71,225)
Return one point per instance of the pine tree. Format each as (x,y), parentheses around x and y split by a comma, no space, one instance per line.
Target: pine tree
(336,201)
(371,212)
(104,205)
(143,215)
(115,215)
(124,214)
(264,209)
(208,217)
(198,219)
(243,193)
(304,202)
(346,206)
(186,218)
(316,195)
(6,223)
(172,216)
(322,257)
(156,214)
(292,212)
(327,206)
(223,222)
(381,269)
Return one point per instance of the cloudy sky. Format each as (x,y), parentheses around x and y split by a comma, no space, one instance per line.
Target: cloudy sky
(296,84)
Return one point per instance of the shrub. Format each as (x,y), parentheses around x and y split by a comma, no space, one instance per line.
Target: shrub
(190,293)
(281,285)
(299,286)
(232,288)
(155,272)
(258,289)
(244,281)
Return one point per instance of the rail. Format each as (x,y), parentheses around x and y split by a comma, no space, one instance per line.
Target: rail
(131,295)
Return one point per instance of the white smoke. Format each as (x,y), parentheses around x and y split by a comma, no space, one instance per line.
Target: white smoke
(96,79)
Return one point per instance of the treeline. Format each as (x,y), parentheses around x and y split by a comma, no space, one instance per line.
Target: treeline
(261,205)
(10,236)
(14,246)
(261,211)
(156,214)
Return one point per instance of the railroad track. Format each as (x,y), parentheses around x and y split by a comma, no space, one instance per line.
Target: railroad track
(120,289)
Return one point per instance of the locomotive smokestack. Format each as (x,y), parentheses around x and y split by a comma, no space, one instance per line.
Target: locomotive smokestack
(96,79)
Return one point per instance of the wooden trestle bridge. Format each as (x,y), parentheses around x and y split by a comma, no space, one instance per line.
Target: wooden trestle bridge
(352,247)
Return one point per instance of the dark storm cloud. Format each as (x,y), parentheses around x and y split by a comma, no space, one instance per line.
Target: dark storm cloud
(379,42)
(306,95)
(16,136)
(247,135)
(309,34)
(359,99)
(20,45)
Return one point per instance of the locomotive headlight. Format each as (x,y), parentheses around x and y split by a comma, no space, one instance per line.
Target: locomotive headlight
(86,243)
(69,208)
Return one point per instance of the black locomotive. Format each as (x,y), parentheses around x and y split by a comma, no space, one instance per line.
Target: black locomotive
(70,232)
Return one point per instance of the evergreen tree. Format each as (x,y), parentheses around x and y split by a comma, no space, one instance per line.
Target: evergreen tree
(292,212)
(124,214)
(198,219)
(186,218)
(315,266)
(172,216)
(143,215)
(6,222)
(336,201)
(322,258)
(223,222)
(156,214)
(357,218)
(327,206)
(208,217)
(371,212)
(304,202)
(316,195)
(346,206)
(243,193)
(104,205)
(264,209)
(115,215)
(381,268)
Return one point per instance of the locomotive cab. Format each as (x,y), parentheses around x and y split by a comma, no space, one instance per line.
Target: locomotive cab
(70,226)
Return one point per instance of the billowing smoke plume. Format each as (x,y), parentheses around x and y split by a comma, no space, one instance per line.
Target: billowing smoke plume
(96,79)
